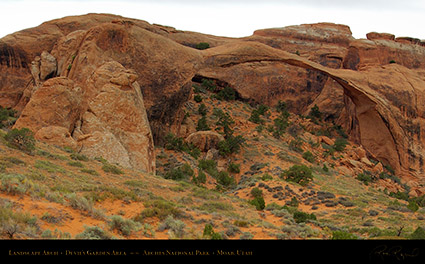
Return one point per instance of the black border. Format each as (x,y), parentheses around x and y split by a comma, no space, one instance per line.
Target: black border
(302,251)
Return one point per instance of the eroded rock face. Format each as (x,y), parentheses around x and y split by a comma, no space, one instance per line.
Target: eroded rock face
(56,103)
(123,66)
(115,125)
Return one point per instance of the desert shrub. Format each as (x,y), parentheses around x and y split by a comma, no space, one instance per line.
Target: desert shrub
(111,169)
(49,166)
(308,156)
(225,180)
(296,145)
(79,157)
(90,171)
(94,232)
(419,233)
(392,61)
(315,114)
(256,192)
(200,179)
(202,110)
(197,98)
(175,227)
(400,195)
(123,226)
(76,164)
(84,204)
(173,142)
(202,45)
(210,166)
(7,116)
(183,172)
(224,122)
(256,114)
(301,217)
(343,235)
(210,234)
(300,174)
(340,144)
(230,145)
(279,126)
(160,209)
(22,139)
(234,168)
(208,85)
(413,206)
(202,124)
(259,203)
(228,94)
(366,177)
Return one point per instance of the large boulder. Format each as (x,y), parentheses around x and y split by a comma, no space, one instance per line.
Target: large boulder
(56,103)
(205,140)
(115,125)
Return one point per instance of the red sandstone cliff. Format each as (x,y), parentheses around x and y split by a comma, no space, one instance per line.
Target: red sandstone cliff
(112,86)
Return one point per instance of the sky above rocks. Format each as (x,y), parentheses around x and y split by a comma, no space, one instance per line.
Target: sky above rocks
(233,18)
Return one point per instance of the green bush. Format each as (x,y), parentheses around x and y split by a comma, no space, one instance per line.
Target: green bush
(419,233)
(173,142)
(343,235)
(181,173)
(279,126)
(202,45)
(256,192)
(94,232)
(202,110)
(296,145)
(197,98)
(308,156)
(225,180)
(340,144)
(160,209)
(366,177)
(256,114)
(259,203)
(228,94)
(210,234)
(210,166)
(315,114)
(300,174)
(230,145)
(234,168)
(7,116)
(301,217)
(123,226)
(200,179)
(80,157)
(111,169)
(208,85)
(22,139)
(202,124)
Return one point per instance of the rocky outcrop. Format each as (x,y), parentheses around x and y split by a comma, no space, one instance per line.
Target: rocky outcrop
(115,125)
(205,140)
(135,78)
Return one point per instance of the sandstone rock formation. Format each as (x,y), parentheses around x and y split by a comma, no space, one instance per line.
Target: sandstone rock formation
(205,140)
(135,77)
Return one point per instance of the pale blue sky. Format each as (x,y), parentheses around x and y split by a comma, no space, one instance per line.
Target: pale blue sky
(234,18)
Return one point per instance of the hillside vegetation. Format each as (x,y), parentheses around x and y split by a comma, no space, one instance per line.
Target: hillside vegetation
(273,175)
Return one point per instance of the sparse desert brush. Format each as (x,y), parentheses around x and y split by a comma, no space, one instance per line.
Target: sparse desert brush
(22,139)
(124,226)
(300,174)
(94,233)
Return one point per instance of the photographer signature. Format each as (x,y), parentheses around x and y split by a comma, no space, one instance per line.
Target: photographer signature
(395,252)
